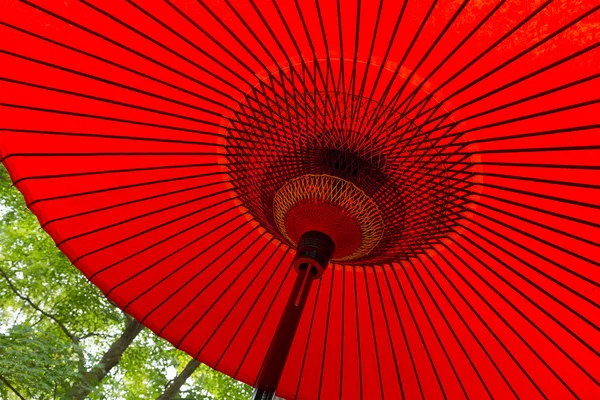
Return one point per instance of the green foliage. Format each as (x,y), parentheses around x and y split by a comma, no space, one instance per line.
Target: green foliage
(55,325)
(222,387)
(39,361)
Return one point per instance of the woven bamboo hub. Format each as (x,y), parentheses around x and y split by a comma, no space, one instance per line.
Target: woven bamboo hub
(333,206)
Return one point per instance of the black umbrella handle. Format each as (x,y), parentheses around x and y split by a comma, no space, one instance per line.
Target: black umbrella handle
(312,256)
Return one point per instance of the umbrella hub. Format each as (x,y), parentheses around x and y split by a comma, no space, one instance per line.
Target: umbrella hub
(332,206)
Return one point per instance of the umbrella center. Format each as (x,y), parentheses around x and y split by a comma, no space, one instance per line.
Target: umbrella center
(333,206)
(316,160)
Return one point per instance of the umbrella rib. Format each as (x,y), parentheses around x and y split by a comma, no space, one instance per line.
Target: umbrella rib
(548,227)
(420,334)
(518,177)
(102,59)
(524,78)
(326,336)
(105,118)
(125,104)
(431,324)
(369,57)
(241,43)
(140,272)
(379,372)
(546,275)
(541,195)
(534,115)
(454,50)
(71,22)
(222,293)
(492,110)
(129,105)
(536,134)
(550,244)
(258,329)
(358,334)
(511,120)
(522,232)
(411,96)
(525,192)
(121,171)
(329,68)
(162,225)
(530,165)
(324,98)
(537,44)
(112,83)
(352,82)
(134,52)
(540,210)
(387,326)
(448,325)
(546,242)
(317,66)
(115,137)
(518,311)
(310,330)
(342,74)
(113,206)
(406,343)
(228,51)
(538,287)
(494,45)
(412,152)
(467,325)
(385,58)
(193,45)
(168,49)
(113,188)
(278,43)
(114,154)
(137,217)
(372,120)
(342,351)
(196,275)
(258,40)
(166,239)
(186,263)
(500,67)
(507,176)
(535,253)
(536,149)
(500,342)
(241,324)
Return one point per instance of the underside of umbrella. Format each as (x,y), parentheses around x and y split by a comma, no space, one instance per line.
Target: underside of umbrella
(422,175)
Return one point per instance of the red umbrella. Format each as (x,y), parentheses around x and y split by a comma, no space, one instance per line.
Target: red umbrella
(437,162)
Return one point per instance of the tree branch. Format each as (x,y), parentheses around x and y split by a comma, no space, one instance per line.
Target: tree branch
(175,386)
(74,339)
(11,387)
(26,299)
(111,358)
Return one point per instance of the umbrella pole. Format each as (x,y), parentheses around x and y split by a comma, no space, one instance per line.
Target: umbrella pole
(312,257)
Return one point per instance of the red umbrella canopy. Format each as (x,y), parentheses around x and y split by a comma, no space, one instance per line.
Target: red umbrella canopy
(176,150)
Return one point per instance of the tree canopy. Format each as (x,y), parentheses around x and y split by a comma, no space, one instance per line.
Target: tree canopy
(60,338)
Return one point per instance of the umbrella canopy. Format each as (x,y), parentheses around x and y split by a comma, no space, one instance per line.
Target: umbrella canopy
(176,151)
